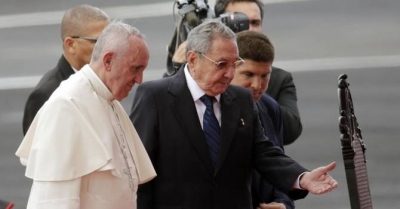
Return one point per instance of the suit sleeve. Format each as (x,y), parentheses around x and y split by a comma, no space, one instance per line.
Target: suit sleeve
(278,123)
(144,118)
(264,192)
(288,103)
(272,164)
(281,197)
(33,104)
(275,195)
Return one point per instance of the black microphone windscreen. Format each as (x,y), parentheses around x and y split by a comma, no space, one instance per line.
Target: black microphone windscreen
(192,20)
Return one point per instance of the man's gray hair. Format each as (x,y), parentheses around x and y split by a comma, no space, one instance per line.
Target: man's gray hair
(201,37)
(76,19)
(114,38)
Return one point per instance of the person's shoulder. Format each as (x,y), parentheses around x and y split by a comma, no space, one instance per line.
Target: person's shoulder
(281,71)
(164,83)
(76,88)
(265,98)
(49,82)
(46,85)
(56,75)
(237,91)
(76,84)
(161,83)
(270,103)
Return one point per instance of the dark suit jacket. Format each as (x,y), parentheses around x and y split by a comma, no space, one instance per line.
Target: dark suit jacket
(271,120)
(43,90)
(283,90)
(165,117)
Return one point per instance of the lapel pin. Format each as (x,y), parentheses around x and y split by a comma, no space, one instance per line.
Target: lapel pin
(241,119)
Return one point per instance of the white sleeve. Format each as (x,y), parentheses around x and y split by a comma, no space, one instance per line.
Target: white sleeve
(55,194)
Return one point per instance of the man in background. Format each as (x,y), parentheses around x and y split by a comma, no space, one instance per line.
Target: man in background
(80,28)
(281,86)
(258,54)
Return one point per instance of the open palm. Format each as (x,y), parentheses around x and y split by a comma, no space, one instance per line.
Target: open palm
(318,181)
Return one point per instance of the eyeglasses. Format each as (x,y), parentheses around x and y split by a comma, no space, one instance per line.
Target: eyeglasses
(94,40)
(224,64)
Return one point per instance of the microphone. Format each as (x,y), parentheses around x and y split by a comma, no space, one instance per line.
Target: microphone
(192,19)
(192,10)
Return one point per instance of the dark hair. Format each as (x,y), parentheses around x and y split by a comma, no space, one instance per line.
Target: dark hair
(221,5)
(255,46)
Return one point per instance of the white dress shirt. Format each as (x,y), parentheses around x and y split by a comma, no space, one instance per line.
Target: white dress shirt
(197,93)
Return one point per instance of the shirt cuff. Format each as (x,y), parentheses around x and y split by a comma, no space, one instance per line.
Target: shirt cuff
(296,184)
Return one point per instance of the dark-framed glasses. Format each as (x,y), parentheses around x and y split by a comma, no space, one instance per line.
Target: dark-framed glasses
(94,40)
(224,64)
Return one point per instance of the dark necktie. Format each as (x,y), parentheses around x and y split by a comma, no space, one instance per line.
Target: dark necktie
(211,128)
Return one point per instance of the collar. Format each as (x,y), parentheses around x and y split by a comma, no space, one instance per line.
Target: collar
(98,86)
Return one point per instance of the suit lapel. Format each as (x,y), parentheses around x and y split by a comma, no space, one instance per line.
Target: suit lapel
(230,117)
(185,111)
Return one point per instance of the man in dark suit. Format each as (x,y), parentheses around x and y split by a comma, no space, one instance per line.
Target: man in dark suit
(281,87)
(80,27)
(204,136)
(254,74)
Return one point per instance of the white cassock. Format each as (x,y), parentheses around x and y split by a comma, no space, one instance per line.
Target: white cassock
(82,150)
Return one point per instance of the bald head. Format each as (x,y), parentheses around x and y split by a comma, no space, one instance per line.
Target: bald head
(76,20)
(80,28)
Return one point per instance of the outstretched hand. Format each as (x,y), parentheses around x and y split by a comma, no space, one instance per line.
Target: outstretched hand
(318,181)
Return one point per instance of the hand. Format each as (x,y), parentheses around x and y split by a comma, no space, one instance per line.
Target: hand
(318,181)
(272,205)
(179,55)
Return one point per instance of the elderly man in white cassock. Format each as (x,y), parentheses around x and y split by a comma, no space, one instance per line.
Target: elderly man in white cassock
(82,150)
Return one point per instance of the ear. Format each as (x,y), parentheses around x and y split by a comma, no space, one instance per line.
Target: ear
(192,58)
(107,60)
(69,45)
